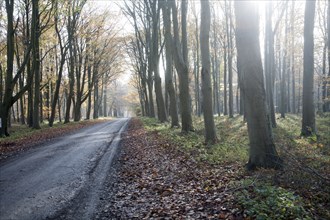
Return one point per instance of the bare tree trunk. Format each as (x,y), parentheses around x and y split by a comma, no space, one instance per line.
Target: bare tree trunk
(230,57)
(210,133)
(299,92)
(225,102)
(169,65)
(96,100)
(35,33)
(63,52)
(293,59)
(308,120)
(284,72)
(105,113)
(161,110)
(8,99)
(182,67)
(71,85)
(262,148)
(216,70)
(328,84)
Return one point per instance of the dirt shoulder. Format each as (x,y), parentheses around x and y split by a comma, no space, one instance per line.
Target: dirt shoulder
(154,180)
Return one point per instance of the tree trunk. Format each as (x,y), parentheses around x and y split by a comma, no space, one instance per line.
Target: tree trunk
(284,95)
(293,59)
(308,112)
(63,52)
(169,66)
(5,103)
(182,68)
(35,33)
(262,147)
(96,100)
(210,133)
(161,110)
(225,102)
(230,58)
(269,64)
(328,78)
(105,113)
(196,72)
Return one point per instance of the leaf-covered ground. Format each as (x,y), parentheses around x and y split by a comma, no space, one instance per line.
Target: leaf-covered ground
(161,174)
(22,137)
(157,181)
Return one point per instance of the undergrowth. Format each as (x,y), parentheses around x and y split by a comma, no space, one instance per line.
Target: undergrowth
(300,191)
(266,201)
(232,145)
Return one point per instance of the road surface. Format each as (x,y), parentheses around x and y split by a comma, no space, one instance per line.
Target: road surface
(63,176)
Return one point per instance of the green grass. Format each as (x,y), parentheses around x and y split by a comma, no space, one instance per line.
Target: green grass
(262,200)
(232,145)
(233,140)
(316,148)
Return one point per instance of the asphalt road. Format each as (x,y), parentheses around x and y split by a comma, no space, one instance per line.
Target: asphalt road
(65,175)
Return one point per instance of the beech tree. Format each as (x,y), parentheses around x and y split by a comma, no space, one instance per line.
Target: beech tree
(210,133)
(169,64)
(262,151)
(181,64)
(8,98)
(308,111)
(35,35)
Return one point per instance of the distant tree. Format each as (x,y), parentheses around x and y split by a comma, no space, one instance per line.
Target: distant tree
(210,133)
(262,151)
(230,57)
(308,111)
(196,55)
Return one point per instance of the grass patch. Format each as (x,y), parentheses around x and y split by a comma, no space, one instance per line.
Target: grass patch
(266,201)
(232,145)
(233,142)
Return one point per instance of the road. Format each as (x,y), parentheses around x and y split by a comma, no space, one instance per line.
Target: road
(65,175)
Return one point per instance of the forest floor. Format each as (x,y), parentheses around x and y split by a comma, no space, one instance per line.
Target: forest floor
(23,138)
(161,174)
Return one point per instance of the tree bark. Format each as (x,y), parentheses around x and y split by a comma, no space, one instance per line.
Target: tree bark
(225,102)
(8,99)
(262,147)
(293,104)
(308,111)
(63,52)
(210,133)
(169,65)
(161,110)
(269,64)
(182,69)
(230,59)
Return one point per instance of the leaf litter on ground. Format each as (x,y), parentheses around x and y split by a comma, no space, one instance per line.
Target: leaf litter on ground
(155,180)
